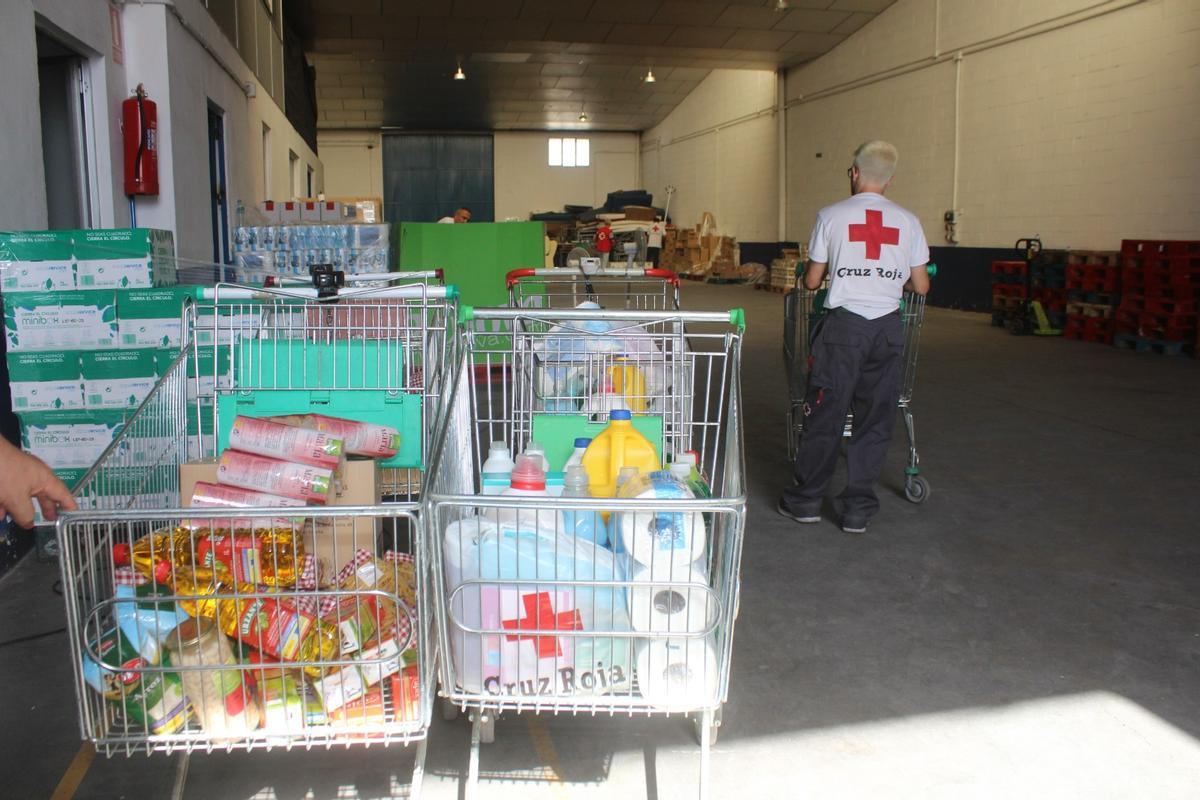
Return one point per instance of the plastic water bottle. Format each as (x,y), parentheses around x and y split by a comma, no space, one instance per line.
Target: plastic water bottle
(581,445)
(497,469)
(584,524)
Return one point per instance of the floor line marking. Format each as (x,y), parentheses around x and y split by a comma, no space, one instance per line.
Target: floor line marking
(76,770)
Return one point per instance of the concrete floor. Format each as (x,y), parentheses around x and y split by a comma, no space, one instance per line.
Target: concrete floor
(1031,631)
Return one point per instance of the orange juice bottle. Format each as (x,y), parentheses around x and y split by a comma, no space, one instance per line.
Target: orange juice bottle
(619,445)
(271,624)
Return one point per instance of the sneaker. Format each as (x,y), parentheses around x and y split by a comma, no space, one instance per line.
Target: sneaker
(805,518)
(854,525)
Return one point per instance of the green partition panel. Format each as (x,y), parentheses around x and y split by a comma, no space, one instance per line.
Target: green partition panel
(557,433)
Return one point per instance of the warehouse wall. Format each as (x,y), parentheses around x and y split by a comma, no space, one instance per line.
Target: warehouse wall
(353,163)
(524,182)
(1068,118)
(719,148)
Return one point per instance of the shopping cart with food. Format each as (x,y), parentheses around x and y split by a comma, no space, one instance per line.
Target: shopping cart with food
(648,289)
(803,310)
(600,600)
(206,615)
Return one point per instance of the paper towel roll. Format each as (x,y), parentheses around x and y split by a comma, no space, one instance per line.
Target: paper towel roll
(671,607)
(677,674)
(662,537)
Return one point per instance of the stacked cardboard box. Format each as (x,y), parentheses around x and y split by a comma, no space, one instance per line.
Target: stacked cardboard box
(689,253)
(88,320)
(367,210)
(783,269)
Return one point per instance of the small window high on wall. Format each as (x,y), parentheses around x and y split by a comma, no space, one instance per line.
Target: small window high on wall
(570,152)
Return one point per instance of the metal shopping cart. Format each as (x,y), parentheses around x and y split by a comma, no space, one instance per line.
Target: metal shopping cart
(803,309)
(532,617)
(324,614)
(641,289)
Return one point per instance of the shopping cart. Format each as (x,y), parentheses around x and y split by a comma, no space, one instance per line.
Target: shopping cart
(618,287)
(802,309)
(363,673)
(552,637)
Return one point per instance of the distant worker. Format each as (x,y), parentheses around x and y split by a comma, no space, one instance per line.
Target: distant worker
(463,214)
(24,477)
(875,250)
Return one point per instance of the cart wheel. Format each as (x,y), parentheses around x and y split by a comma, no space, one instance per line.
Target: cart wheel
(916,489)
(698,727)
(449,710)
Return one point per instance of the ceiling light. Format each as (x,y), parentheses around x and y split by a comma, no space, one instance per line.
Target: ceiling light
(649,77)
(781,5)
(460,75)
(583,116)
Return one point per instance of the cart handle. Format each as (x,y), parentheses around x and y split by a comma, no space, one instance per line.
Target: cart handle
(931,269)
(226,291)
(666,274)
(734,316)
(515,275)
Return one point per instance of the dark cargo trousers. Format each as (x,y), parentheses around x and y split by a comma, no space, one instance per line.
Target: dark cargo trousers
(856,366)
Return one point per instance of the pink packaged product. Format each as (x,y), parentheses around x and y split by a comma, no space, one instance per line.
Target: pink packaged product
(214,495)
(301,445)
(360,438)
(273,476)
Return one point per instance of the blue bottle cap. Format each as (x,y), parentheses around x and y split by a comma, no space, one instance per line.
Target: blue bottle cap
(619,414)
(582,441)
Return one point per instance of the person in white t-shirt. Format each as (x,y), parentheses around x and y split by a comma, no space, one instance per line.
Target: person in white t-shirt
(873,250)
(461,214)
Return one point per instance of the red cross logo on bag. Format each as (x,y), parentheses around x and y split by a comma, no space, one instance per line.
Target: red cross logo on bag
(874,233)
(539,615)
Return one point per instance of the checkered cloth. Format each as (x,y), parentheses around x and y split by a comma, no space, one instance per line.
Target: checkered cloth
(392,557)
(405,627)
(128,576)
(361,558)
(310,573)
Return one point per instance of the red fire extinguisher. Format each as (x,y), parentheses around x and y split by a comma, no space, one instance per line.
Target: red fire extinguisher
(139,119)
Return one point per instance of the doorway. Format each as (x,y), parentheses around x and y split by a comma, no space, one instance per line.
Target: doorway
(65,106)
(216,174)
(428,176)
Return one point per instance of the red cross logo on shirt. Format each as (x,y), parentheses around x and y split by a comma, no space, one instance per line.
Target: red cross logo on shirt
(539,615)
(874,233)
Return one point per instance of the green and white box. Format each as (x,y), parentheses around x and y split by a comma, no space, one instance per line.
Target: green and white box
(60,320)
(203,381)
(151,317)
(66,439)
(45,381)
(125,258)
(118,378)
(37,261)
(133,487)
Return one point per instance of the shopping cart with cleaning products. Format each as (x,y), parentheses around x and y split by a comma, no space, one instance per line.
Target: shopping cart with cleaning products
(579,604)
(803,310)
(209,628)
(615,288)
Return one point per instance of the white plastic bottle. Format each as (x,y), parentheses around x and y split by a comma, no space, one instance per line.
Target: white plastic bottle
(537,451)
(528,480)
(497,469)
(587,525)
(577,455)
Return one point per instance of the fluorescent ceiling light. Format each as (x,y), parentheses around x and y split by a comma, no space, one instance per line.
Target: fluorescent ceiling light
(460,75)
(649,76)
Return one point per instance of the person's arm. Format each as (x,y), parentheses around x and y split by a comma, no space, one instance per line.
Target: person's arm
(23,477)
(918,281)
(814,274)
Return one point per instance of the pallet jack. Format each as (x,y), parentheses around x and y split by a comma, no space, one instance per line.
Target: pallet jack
(1030,317)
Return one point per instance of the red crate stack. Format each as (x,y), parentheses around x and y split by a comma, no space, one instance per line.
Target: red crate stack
(1161,283)
(1093,281)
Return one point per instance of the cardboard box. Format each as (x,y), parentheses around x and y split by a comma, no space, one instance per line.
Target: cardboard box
(289,211)
(37,261)
(638,213)
(45,381)
(69,438)
(85,320)
(124,258)
(152,317)
(331,211)
(270,210)
(118,378)
(310,211)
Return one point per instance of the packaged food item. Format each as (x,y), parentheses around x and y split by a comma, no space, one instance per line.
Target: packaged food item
(338,687)
(266,556)
(215,495)
(357,619)
(406,695)
(143,618)
(153,700)
(274,476)
(274,625)
(365,710)
(265,437)
(394,574)
(225,705)
(283,703)
(359,438)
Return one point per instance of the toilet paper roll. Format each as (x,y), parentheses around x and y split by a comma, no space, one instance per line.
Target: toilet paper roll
(673,606)
(678,674)
(666,537)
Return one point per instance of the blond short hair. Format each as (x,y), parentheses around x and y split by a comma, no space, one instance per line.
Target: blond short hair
(876,161)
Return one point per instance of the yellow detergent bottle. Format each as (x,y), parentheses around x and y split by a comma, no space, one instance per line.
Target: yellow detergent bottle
(619,445)
(628,382)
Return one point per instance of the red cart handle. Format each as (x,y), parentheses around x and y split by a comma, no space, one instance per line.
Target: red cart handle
(666,274)
(515,275)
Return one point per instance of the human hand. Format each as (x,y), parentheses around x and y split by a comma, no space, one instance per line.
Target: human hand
(24,477)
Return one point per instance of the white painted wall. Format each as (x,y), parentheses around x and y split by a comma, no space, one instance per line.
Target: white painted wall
(719,148)
(524,182)
(180,76)
(1070,133)
(353,162)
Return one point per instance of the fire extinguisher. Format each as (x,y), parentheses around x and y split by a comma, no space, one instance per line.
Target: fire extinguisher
(139,119)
